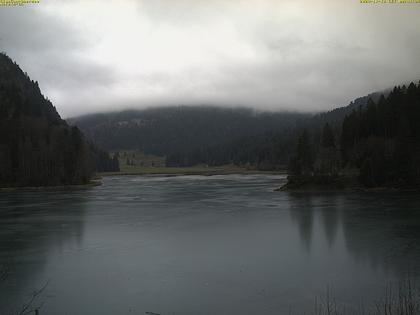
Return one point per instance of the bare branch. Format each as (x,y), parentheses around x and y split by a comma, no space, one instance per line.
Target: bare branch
(28,307)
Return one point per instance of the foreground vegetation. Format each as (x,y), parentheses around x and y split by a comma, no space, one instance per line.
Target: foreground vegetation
(400,299)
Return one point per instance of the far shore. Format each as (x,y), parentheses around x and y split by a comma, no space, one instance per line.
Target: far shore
(193,170)
(152,171)
(320,183)
(94,182)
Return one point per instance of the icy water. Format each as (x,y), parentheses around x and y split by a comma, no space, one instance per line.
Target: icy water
(202,245)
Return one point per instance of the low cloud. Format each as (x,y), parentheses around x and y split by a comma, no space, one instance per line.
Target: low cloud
(280,55)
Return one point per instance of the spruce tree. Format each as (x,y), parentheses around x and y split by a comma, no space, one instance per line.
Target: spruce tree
(328,139)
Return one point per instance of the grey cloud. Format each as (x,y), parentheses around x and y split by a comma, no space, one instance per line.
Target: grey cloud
(26,30)
(312,60)
(51,51)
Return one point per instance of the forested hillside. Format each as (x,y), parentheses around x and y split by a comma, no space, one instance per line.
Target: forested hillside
(379,143)
(270,149)
(190,135)
(215,136)
(37,147)
(375,140)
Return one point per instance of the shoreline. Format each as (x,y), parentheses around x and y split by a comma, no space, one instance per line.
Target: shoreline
(184,172)
(97,180)
(93,183)
(304,184)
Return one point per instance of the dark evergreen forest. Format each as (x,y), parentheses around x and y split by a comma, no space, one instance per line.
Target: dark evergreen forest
(37,147)
(188,136)
(375,139)
(378,143)
(214,136)
(196,135)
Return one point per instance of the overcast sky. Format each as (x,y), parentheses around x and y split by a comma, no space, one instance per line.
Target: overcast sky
(313,55)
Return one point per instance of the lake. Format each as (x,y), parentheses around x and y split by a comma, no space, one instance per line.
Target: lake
(203,245)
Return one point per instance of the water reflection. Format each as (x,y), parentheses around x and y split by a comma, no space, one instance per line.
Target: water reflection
(302,213)
(379,228)
(202,245)
(33,226)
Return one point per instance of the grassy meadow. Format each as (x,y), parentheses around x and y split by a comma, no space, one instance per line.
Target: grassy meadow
(138,163)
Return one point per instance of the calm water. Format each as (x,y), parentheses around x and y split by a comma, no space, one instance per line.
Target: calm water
(203,245)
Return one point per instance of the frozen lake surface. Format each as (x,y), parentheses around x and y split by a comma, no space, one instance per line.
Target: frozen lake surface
(202,245)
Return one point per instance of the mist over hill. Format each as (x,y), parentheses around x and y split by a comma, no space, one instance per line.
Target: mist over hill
(167,130)
(189,135)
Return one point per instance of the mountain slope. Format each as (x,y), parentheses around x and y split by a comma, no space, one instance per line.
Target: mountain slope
(37,147)
(210,135)
(173,130)
(376,145)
